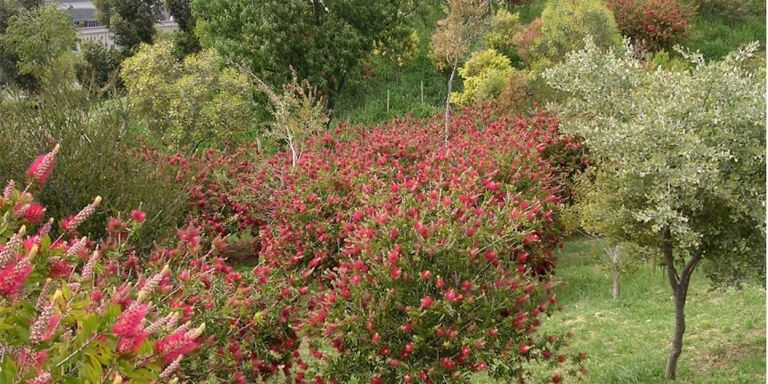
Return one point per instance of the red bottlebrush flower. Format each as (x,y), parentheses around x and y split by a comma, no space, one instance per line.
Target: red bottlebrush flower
(448,364)
(524,348)
(13,277)
(129,322)
(452,296)
(60,269)
(426,302)
(556,379)
(395,273)
(138,216)
(116,226)
(130,344)
(176,344)
(189,235)
(41,168)
(426,275)
(32,212)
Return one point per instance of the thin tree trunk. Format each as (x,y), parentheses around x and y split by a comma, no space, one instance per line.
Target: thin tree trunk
(448,100)
(679,286)
(615,271)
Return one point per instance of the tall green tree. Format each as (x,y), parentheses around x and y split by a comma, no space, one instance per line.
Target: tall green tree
(185,39)
(9,73)
(131,21)
(680,161)
(42,41)
(324,41)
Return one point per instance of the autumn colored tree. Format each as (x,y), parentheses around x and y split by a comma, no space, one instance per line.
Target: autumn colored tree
(680,161)
(465,22)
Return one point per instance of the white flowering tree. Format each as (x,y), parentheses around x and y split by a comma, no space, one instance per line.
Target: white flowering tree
(680,161)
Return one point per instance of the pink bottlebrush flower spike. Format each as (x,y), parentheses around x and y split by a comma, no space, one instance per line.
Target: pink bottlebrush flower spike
(72,223)
(138,216)
(10,248)
(42,166)
(8,191)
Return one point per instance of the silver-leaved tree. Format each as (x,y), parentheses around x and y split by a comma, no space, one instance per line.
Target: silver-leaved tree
(680,160)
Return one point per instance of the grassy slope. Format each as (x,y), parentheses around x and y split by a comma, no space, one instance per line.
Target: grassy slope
(715,36)
(627,340)
(365,97)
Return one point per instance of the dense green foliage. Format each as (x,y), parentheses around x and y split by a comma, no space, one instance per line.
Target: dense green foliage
(697,194)
(703,179)
(9,73)
(99,156)
(723,25)
(485,76)
(323,41)
(42,41)
(131,21)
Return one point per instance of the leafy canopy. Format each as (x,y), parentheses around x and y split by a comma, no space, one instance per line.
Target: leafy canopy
(681,152)
(485,76)
(42,41)
(131,21)
(322,40)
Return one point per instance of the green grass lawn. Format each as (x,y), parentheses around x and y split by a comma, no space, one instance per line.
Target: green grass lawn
(627,340)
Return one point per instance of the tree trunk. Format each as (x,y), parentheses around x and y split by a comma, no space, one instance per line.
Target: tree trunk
(448,100)
(615,271)
(680,290)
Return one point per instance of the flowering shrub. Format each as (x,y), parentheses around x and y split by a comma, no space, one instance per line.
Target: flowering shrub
(226,195)
(63,320)
(655,24)
(415,260)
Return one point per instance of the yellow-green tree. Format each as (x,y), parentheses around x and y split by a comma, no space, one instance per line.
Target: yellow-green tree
(485,76)
(199,101)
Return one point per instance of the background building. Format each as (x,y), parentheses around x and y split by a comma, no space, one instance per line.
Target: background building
(89,28)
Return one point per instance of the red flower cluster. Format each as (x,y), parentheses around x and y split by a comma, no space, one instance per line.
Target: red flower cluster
(388,229)
(130,330)
(655,24)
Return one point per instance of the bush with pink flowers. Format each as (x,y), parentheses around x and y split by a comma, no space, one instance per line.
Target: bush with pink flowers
(417,260)
(653,24)
(62,319)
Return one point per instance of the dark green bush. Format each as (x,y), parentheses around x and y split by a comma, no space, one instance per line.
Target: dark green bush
(99,157)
